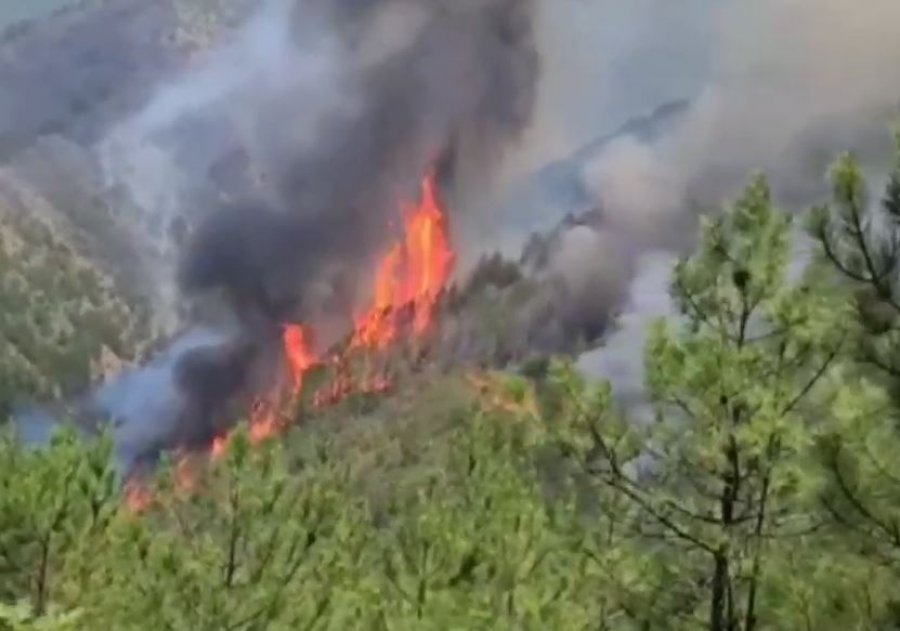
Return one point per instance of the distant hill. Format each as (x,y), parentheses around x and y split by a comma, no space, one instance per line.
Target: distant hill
(70,268)
(537,201)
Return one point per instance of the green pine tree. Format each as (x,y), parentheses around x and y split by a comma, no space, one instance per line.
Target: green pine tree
(56,504)
(861,241)
(726,485)
(243,545)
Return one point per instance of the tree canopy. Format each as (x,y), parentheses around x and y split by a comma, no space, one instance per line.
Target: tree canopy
(763,493)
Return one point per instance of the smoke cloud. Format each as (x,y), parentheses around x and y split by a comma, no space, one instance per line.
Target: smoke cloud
(271,167)
(270,171)
(284,156)
(180,398)
(791,84)
(786,86)
(621,360)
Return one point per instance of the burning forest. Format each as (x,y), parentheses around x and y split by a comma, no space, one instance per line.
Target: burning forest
(307,211)
(409,281)
(449,314)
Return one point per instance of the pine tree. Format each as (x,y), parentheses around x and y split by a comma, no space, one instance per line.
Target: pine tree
(56,504)
(861,240)
(480,547)
(244,545)
(726,485)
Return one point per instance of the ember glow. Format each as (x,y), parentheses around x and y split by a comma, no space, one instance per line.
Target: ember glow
(137,496)
(264,421)
(409,280)
(299,355)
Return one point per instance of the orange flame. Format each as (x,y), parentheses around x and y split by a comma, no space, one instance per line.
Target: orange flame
(219,446)
(137,496)
(263,421)
(430,259)
(411,275)
(375,329)
(409,279)
(299,355)
(184,476)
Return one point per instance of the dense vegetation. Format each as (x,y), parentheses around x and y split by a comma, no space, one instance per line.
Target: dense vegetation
(764,494)
(60,312)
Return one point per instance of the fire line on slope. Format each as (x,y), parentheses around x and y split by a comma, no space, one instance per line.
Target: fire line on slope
(409,280)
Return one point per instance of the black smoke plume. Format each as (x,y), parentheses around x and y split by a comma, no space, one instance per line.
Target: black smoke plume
(429,85)
(271,172)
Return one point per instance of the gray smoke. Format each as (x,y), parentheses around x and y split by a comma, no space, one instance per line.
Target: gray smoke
(775,86)
(287,153)
(791,84)
(787,86)
(177,399)
(273,168)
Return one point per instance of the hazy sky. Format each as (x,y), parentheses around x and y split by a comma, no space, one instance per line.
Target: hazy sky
(605,61)
(14,10)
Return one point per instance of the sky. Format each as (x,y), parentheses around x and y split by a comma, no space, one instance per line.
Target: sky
(12,11)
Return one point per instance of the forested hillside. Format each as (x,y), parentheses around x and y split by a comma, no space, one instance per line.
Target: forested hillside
(61,309)
(441,462)
(763,496)
(73,299)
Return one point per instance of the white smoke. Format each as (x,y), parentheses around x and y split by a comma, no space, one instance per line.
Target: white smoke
(238,86)
(778,86)
(621,359)
(793,83)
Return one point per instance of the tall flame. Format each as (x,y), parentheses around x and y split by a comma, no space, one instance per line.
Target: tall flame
(430,259)
(409,280)
(411,276)
(299,355)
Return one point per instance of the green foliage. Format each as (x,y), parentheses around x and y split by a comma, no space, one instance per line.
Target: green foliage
(479,548)
(263,539)
(21,618)
(248,547)
(762,495)
(55,504)
(58,312)
(861,241)
(726,481)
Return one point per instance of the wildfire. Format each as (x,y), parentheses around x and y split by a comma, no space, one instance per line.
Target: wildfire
(429,257)
(184,476)
(411,276)
(219,446)
(137,496)
(299,354)
(408,283)
(263,421)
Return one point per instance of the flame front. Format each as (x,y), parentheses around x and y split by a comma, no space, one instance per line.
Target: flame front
(430,259)
(411,276)
(409,280)
(299,355)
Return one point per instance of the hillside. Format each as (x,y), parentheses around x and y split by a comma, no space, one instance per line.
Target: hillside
(74,299)
(65,306)
(232,400)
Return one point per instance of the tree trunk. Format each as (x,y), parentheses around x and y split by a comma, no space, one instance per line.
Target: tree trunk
(718,615)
